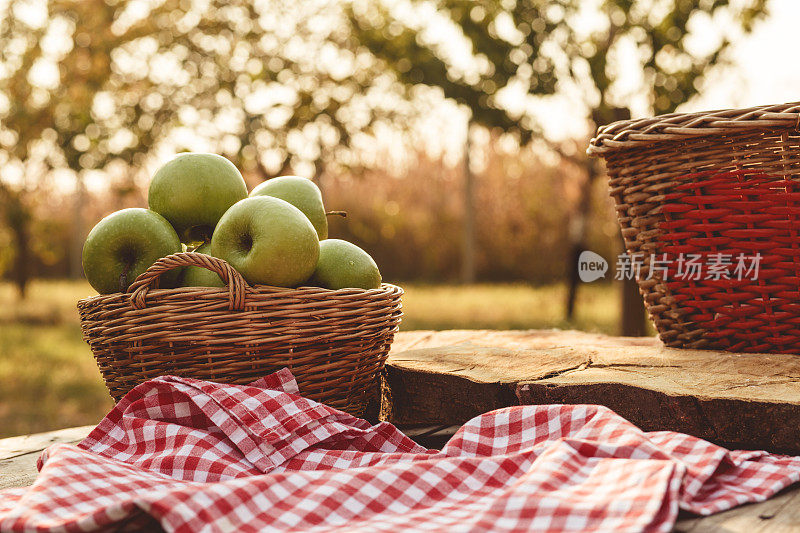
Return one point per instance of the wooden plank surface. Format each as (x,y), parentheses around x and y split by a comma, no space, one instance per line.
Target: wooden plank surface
(738,400)
(18,455)
(776,515)
(14,446)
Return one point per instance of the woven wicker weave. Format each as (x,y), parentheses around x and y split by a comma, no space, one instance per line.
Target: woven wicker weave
(334,341)
(722,182)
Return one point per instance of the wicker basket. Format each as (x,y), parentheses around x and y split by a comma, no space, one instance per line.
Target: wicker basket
(334,341)
(723,186)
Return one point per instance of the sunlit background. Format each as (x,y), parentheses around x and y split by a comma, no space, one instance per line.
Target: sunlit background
(451,131)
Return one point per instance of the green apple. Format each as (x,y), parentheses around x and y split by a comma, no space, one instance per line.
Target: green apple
(193,276)
(123,245)
(269,241)
(301,193)
(193,191)
(343,265)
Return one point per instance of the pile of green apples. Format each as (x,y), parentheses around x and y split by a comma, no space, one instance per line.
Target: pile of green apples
(277,235)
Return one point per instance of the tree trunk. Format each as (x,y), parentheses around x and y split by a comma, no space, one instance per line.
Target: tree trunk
(633,322)
(633,319)
(468,245)
(22,258)
(578,236)
(319,175)
(18,218)
(78,236)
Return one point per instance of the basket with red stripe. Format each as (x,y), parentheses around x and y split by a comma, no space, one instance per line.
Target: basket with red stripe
(709,205)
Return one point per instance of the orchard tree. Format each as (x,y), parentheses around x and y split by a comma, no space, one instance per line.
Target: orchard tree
(614,58)
(92,86)
(54,61)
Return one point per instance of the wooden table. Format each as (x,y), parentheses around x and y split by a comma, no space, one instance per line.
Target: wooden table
(435,381)
(743,401)
(18,454)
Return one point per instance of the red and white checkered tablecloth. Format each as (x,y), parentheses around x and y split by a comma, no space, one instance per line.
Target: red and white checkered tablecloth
(196,456)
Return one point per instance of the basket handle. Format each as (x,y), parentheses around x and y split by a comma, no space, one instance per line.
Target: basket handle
(237,286)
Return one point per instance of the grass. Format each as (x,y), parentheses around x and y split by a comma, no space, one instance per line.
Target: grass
(48,379)
(508,306)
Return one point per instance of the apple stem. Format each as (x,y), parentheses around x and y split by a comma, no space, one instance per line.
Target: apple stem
(123,278)
(342,214)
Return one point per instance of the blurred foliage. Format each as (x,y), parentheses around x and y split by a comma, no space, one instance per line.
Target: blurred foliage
(412,223)
(93,89)
(101,82)
(543,46)
(410,220)
(97,86)
(606,56)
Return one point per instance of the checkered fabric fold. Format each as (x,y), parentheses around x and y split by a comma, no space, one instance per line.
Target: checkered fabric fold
(192,456)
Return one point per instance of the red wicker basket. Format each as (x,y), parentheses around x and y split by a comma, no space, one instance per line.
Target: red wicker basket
(721,188)
(334,341)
